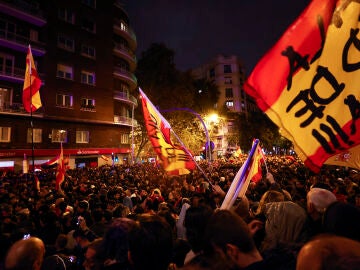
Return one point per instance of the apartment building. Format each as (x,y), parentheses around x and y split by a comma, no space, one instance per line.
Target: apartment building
(84,52)
(227,73)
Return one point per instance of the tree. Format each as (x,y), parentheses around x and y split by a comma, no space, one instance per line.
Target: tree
(206,95)
(167,88)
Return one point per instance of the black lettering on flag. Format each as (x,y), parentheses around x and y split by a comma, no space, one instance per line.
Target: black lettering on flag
(296,61)
(333,139)
(310,96)
(349,67)
(354,107)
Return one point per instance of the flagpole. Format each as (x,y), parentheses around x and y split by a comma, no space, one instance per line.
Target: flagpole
(31,116)
(187,151)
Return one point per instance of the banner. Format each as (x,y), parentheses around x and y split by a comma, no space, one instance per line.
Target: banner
(308,82)
(174,158)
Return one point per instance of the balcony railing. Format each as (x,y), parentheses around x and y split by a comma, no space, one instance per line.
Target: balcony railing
(121,27)
(11,107)
(20,43)
(124,120)
(13,74)
(125,52)
(124,96)
(25,10)
(118,71)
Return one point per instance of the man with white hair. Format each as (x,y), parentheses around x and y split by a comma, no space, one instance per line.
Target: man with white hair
(318,200)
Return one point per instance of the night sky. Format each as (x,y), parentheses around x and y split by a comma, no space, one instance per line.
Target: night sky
(198,30)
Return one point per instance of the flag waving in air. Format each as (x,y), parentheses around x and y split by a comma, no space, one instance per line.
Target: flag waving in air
(308,82)
(174,158)
(249,171)
(32,83)
(60,173)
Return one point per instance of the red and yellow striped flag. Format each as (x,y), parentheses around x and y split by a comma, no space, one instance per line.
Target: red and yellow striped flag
(174,158)
(308,82)
(32,83)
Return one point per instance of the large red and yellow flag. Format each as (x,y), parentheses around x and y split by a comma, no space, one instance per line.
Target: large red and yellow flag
(308,83)
(174,158)
(32,83)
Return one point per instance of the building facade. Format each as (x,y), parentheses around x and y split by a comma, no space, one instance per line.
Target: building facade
(84,52)
(227,73)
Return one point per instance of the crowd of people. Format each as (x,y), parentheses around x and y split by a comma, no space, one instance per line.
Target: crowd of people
(139,217)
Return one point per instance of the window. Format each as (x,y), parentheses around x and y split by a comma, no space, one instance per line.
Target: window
(82,136)
(34,35)
(90,3)
(229,93)
(124,138)
(88,77)
(66,15)
(88,51)
(5,134)
(66,43)
(5,98)
(230,103)
(65,72)
(58,135)
(227,69)
(37,135)
(6,64)
(228,80)
(88,25)
(212,73)
(87,104)
(64,100)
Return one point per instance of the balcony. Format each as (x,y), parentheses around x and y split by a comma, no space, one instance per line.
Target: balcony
(20,43)
(16,75)
(16,108)
(125,53)
(23,10)
(125,97)
(125,31)
(124,120)
(125,75)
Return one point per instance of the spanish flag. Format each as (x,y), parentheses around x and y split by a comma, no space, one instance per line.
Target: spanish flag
(32,83)
(308,82)
(175,159)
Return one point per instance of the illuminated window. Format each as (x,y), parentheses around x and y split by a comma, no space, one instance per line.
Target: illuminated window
(228,80)
(82,136)
(64,100)
(37,135)
(87,104)
(5,133)
(59,135)
(65,72)
(88,77)
(230,103)
(124,139)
